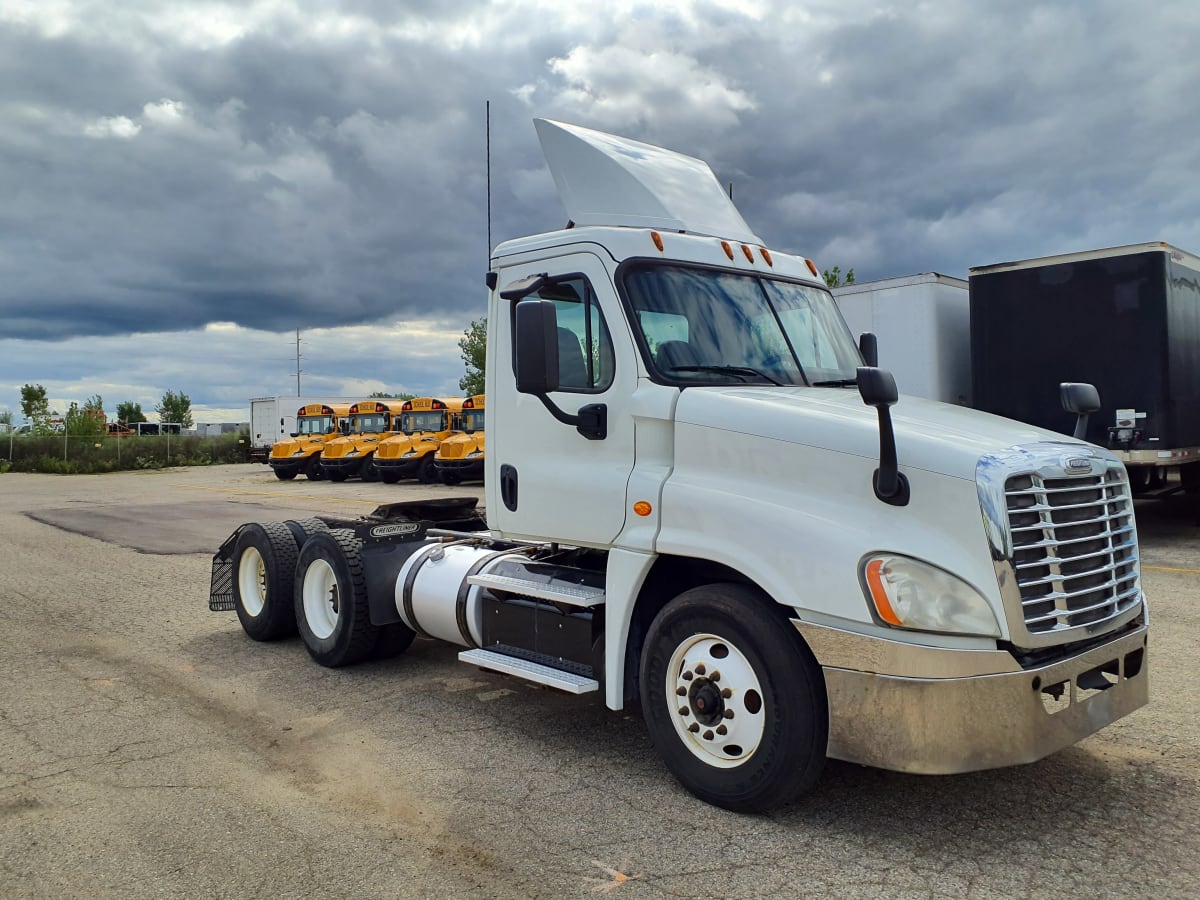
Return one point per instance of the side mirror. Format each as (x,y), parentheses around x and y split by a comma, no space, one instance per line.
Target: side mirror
(537,347)
(1080,399)
(877,387)
(868,346)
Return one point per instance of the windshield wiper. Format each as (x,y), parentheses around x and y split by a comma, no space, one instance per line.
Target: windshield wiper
(841,382)
(742,371)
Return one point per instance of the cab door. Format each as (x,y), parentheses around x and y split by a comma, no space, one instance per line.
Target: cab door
(557,484)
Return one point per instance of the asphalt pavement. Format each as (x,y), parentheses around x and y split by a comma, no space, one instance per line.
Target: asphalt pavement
(149,749)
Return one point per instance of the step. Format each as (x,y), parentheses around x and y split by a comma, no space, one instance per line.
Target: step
(572,595)
(530,671)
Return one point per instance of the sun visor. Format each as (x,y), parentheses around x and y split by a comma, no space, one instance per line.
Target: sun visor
(607,180)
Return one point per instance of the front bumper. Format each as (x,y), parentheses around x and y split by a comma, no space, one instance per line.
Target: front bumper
(351,465)
(918,722)
(465,468)
(399,465)
(295,466)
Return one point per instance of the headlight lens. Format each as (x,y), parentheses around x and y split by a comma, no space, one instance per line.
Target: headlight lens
(410,453)
(475,454)
(352,453)
(908,593)
(298,453)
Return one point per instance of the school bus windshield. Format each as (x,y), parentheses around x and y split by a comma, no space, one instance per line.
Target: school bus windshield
(432,420)
(314,424)
(472,420)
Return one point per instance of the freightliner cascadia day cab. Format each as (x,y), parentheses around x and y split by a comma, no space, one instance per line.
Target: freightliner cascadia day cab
(353,453)
(699,497)
(316,425)
(421,426)
(460,456)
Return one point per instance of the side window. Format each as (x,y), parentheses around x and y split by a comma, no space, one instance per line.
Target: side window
(585,350)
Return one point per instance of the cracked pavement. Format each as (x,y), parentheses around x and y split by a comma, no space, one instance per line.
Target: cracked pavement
(148,748)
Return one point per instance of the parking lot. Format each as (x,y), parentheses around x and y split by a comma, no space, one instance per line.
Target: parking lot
(148,748)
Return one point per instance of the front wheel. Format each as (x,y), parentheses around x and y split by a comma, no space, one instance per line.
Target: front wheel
(388,476)
(733,699)
(285,474)
(312,469)
(426,474)
(450,477)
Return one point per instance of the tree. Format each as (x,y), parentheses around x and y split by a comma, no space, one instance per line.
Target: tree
(833,277)
(384,395)
(130,413)
(175,407)
(473,345)
(6,416)
(36,408)
(87,419)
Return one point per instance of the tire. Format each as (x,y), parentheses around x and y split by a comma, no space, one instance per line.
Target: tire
(388,476)
(303,529)
(426,474)
(285,474)
(264,567)
(776,717)
(312,469)
(450,477)
(335,475)
(393,640)
(367,471)
(331,600)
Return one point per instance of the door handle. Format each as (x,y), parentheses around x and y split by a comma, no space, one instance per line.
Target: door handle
(508,486)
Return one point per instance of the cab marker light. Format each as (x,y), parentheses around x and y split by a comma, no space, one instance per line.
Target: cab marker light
(642,508)
(812,267)
(658,241)
(728,249)
(766,255)
(748,253)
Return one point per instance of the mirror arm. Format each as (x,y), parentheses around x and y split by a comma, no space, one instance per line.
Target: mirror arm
(591,421)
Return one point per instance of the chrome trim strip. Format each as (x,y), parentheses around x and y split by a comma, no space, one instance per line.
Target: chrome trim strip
(840,649)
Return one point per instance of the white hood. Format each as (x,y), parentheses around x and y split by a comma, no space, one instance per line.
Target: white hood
(937,437)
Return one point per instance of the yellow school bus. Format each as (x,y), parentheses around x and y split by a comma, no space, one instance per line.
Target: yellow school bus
(316,425)
(460,456)
(352,453)
(417,430)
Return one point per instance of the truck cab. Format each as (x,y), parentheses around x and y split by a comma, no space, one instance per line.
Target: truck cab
(316,425)
(702,497)
(460,456)
(353,452)
(421,425)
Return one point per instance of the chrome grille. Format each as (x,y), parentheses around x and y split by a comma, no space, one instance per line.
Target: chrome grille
(1074,548)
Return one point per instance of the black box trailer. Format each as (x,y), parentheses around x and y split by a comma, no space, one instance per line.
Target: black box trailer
(1126,319)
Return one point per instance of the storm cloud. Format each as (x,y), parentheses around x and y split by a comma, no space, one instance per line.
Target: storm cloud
(282,165)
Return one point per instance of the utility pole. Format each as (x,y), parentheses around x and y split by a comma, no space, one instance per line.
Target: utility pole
(297,362)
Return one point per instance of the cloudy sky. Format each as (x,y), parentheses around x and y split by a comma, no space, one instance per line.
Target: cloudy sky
(184,184)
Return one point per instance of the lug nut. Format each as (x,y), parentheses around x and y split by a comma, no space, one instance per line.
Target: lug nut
(693,728)
(687,676)
(684,711)
(681,691)
(726,693)
(715,676)
(700,669)
(721,729)
(708,735)
(728,713)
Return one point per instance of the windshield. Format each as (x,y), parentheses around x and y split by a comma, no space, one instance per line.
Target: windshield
(421,421)
(314,424)
(368,423)
(706,326)
(472,420)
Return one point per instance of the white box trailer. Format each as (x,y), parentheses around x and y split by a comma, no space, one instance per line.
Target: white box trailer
(272,419)
(923,323)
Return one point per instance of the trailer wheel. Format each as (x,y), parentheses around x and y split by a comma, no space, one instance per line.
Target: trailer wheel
(285,474)
(312,470)
(733,699)
(264,561)
(331,599)
(426,474)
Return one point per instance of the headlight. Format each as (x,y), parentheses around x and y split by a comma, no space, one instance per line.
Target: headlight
(907,593)
(475,454)
(298,453)
(408,455)
(352,453)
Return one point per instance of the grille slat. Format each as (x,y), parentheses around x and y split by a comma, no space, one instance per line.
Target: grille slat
(1074,553)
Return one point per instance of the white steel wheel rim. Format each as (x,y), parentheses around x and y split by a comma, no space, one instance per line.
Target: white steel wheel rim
(252,582)
(722,733)
(321,598)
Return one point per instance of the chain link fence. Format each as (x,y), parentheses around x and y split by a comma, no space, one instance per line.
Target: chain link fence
(72,454)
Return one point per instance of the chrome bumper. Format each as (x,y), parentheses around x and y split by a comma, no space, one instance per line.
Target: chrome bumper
(943,725)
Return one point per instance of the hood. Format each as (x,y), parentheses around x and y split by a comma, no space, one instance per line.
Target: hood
(396,445)
(285,448)
(342,446)
(937,437)
(459,446)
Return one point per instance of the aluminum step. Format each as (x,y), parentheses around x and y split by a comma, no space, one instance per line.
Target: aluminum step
(573,595)
(530,671)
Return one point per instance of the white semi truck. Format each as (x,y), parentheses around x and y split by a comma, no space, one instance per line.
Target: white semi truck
(698,497)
